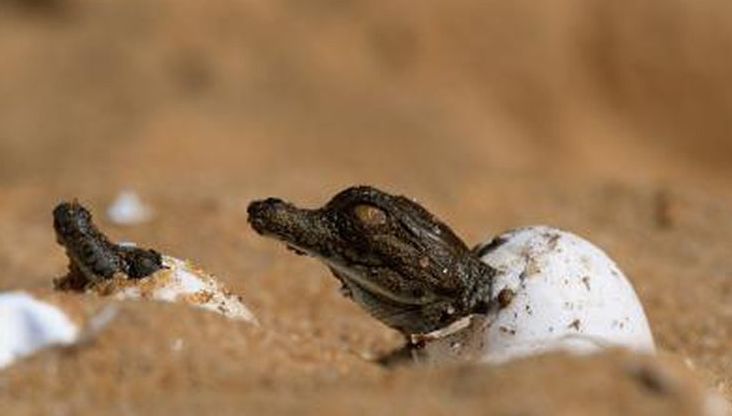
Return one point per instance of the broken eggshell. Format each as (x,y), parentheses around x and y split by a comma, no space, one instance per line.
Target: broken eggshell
(28,324)
(178,281)
(553,291)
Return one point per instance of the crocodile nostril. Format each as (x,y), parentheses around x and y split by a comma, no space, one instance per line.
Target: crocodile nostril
(267,214)
(265,208)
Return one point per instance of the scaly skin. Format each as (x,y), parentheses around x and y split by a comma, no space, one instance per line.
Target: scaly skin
(93,258)
(395,259)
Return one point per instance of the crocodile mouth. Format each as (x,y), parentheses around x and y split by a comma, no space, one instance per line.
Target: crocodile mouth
(353,278)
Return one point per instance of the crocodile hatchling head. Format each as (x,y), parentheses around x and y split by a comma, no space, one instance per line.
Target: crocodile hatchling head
(396,260)
(92,256)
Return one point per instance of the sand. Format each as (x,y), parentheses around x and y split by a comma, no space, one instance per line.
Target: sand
(606,119)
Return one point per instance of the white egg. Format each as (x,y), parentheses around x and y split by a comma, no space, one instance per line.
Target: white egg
(28,324)
(553,291)
(179,281)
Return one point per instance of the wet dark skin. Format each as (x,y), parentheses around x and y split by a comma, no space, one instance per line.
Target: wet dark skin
(93,258)
(396,260)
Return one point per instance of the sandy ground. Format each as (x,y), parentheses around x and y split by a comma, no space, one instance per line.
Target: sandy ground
(607,119)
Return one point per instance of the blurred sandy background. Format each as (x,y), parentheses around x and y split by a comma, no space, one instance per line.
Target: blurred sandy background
(611,119)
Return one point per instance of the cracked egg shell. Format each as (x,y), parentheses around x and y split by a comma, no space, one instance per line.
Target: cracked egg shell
(29,324)
(553,291)
(179,281)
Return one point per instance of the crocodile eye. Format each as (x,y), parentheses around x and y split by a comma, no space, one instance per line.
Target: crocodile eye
(370,215)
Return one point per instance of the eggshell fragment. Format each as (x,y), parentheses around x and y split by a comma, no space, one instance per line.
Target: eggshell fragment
(28,324)
(179,281)
(553,291)
(128,209)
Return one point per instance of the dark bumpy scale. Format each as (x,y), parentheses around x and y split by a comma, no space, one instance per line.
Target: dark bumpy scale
(85,246)
(92,257)
(396,260)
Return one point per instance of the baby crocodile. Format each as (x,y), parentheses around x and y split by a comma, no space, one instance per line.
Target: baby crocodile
(93,258)
(396,260)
